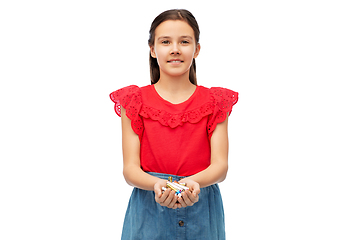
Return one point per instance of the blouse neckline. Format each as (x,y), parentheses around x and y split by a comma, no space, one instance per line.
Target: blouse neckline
(174,104)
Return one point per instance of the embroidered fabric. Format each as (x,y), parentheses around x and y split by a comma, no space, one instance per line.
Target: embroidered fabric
(216,109)
(223,101)
(130,99)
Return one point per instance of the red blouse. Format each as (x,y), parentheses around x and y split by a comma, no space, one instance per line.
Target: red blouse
(175,138)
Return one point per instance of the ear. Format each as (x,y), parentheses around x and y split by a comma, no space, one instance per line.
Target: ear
(198,49)
(152,52)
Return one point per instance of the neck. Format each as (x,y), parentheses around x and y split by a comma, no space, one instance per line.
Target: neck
(174,83)
(175,89)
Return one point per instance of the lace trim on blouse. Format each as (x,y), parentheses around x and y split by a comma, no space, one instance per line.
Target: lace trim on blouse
(223,101)
(130,99)
(219,106)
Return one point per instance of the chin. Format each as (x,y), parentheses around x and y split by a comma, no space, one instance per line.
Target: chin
(176,73)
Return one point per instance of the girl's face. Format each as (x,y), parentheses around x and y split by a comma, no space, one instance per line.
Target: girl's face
(174,47)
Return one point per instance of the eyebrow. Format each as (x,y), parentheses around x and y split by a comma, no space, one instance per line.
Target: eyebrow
(186,36)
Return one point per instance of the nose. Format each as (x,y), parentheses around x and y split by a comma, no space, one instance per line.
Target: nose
(175,50)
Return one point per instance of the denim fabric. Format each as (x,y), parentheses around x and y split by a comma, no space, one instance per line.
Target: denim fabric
(147,220)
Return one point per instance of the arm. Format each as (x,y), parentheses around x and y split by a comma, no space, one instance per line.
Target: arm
(132,171)
(217,170)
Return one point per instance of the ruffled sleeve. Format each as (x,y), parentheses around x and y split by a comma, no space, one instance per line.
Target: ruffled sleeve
(223,100)
(131,100)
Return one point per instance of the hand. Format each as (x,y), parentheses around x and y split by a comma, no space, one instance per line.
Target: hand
(189,197)
(166,199)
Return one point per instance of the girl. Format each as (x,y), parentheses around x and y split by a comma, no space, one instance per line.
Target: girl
(176,128)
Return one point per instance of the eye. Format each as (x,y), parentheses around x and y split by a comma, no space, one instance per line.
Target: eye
(165,42)
(185,42)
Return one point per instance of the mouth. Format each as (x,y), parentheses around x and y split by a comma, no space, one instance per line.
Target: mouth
(175,61)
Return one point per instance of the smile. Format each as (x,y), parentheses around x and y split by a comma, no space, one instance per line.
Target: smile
(175,61)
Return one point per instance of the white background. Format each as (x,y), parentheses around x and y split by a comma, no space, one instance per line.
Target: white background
(61,160)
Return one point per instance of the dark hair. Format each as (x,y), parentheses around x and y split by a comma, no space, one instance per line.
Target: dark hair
(174,14)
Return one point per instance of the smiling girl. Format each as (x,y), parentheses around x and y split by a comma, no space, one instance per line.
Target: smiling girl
(174,128)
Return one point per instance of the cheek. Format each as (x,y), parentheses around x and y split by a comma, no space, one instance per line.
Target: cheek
(161,53)
(189,53)
(160,57)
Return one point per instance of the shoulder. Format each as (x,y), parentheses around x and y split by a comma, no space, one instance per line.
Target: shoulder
(129,96)
(128,92)
(125,90)
(224,95)
(218,94)
(222,100)
(118,94)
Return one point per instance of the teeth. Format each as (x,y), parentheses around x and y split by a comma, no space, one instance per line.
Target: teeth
(175,61)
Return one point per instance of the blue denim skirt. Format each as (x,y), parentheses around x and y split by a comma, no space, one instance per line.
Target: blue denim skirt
(147,220)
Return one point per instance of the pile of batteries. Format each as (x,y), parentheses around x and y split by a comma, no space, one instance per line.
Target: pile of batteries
(175,186)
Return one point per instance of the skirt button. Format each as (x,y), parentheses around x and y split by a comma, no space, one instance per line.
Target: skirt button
(181,223)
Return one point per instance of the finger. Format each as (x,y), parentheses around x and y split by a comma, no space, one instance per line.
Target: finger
(194,197)
(181,201)
(173,200)
(158,196)
(196,191)
(167,201)
(188,198)
(164,196)
(158,193)
(177,205)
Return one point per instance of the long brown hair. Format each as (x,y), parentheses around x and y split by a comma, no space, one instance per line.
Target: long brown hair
(174,14)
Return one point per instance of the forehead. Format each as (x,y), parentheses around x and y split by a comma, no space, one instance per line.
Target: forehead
(174,28)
